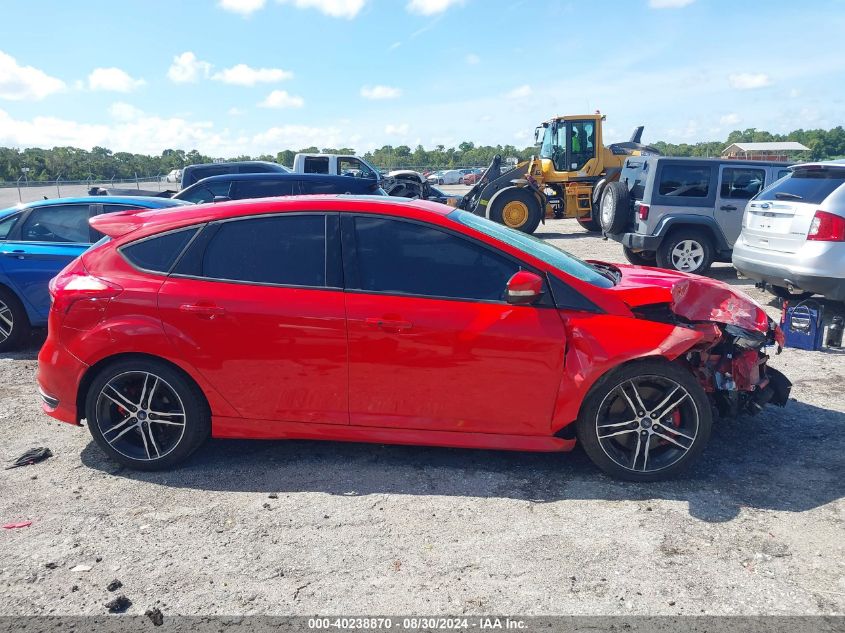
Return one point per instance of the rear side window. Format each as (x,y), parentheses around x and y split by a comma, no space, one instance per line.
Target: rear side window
(6,225)
(316,165)
(205,192)
(805,185)
(408,258)
(318,187)
(261,188)
(67,223)
(741,183)
(684,181)
(284,250)
(160,252)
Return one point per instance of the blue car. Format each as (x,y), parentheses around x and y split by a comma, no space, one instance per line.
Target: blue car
(37,240)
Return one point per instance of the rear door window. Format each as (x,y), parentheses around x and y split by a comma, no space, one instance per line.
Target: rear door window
(316,164)
(280,250)
(66,223)
(314,187)
(261,188)
(685,181)
(158,253)
(805,185)
(739,183)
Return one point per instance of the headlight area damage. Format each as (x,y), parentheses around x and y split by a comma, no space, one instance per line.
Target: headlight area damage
(730,359)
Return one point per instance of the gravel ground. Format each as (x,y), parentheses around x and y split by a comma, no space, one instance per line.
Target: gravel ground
(756,527)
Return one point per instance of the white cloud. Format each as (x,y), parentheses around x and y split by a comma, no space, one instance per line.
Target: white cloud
(243,75)
(334,8)
(243,7)
(398,129)
(430,7)
(233,111)
(520,92)
(749,81)
(669,4)
(18,83)
(472,59)
(794,93)
(380,92)
(729,119)
(113,79)
(122,111)
(281,99)
(186,68)
(296,136)
(394,46)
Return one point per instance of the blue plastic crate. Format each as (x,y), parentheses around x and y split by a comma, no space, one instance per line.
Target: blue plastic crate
(802,325)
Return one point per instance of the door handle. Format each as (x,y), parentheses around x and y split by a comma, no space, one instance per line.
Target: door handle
(208,311)
(388,325)
(728,207)
(16,254)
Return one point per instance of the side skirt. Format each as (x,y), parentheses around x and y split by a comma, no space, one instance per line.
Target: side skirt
(225,427)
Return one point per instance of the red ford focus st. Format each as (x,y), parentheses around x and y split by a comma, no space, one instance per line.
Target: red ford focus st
(378,320)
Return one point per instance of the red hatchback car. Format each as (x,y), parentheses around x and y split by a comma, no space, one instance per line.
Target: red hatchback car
(380,320)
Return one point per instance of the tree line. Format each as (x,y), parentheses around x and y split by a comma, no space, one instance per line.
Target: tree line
(72,163)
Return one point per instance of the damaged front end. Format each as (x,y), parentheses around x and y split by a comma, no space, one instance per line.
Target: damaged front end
(730,360)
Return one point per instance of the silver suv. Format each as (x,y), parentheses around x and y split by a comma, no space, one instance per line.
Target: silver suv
(681,213)
(793,234)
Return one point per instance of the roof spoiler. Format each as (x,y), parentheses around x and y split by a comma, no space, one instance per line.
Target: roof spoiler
(119,223)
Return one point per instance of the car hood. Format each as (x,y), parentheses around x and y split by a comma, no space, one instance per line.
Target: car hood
(691,297)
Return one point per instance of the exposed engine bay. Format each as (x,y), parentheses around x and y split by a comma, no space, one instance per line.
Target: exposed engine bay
(730,359)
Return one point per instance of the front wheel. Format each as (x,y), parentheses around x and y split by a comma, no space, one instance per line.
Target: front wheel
(146,415)
(589,222)
(518,209)
(645,421)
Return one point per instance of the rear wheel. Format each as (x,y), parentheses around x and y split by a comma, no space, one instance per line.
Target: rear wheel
(590,222)
(14,324)
(686,250)
(615,208)
(146,415)
(645,421)
(641,258)
(518,209)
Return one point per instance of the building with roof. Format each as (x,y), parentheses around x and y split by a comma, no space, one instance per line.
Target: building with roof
(777,150)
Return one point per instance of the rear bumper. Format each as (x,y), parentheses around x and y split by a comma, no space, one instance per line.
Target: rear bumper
(753,264)
(58,377)
(637,241)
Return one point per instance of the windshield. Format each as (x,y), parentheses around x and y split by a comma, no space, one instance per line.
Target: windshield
(535,247)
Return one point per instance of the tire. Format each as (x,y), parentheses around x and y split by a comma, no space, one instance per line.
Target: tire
(14,323)
(783,293)
(518,209)
(687,250)
(590,223)
(439,181)
(643,258)
(607,424)
(158,440)
(615,208)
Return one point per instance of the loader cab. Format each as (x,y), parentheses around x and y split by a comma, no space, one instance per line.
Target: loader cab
(569,144)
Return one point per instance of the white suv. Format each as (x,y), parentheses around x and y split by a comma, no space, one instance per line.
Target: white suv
(793,233)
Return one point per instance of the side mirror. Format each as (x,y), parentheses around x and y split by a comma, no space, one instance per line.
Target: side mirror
(524,288)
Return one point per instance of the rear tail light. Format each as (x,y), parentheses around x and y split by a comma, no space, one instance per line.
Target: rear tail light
(642,211)
(75,284)
(827,227)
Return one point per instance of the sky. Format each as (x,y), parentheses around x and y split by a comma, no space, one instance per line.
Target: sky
(233,77)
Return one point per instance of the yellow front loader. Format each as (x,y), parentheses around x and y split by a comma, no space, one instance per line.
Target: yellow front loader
(565,181)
